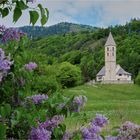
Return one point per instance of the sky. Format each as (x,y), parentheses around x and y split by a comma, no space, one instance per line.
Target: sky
(99,13)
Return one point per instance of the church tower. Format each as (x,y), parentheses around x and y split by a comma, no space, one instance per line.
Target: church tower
(110,59)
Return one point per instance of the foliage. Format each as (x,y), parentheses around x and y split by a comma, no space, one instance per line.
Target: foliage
(137,80)
(69,75)
(18,6)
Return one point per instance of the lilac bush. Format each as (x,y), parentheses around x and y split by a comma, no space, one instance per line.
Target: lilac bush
(30,66)
(37,99)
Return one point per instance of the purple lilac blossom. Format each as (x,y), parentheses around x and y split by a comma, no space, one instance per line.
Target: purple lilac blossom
(52,123)
(5,64)
(2,29)
(30,66)
(100,120)
(37,99)
(92,132)
(12,34)
(78,102)
(129,131)
(40,134)
(67,136)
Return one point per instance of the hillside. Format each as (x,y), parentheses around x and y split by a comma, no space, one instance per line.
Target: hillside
(119,103)
(60,28)
(86,49)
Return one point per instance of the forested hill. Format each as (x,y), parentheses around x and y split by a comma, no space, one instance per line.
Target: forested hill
(60,28)
(86,49)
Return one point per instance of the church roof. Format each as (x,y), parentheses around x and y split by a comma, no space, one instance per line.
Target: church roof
(101,72)
(122,71)
(119,69)
(110,41)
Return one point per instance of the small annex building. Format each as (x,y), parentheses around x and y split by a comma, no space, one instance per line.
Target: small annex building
(112,72)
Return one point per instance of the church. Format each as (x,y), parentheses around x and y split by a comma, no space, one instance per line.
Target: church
(112,72)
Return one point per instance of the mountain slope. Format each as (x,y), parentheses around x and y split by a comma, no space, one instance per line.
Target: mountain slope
(60,28)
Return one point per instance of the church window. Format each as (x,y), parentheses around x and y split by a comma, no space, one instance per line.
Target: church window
(107,49)
(112,48)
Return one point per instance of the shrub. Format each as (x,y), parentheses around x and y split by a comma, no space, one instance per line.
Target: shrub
(137,80)
(44,84)
(69,75)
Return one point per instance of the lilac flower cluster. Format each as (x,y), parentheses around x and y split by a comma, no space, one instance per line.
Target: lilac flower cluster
(67,136)
(5,64)
(2,29)
(78,103)
(37,99)
(45,129)
(100,120)
(12,34)
(30,66)
(52,123)
(40,134)
(92,131)
(128,131)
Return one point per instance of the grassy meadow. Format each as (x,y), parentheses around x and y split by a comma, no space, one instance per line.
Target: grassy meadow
(117,102)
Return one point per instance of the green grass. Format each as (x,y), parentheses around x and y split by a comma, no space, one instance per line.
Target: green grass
(118,102)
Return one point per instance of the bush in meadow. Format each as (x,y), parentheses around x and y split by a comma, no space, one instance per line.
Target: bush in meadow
(69,75)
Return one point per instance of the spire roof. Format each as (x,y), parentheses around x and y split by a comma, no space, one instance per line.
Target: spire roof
(110,41)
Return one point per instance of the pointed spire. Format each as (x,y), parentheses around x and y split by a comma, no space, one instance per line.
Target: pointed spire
(110,41)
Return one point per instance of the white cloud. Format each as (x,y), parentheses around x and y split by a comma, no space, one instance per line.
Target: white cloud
(102,12)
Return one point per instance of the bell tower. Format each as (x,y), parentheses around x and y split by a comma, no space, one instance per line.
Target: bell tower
(110,59)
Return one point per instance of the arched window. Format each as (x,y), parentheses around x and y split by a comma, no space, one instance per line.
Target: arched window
(113,54)
(107,54)
(107,49)
(112,48)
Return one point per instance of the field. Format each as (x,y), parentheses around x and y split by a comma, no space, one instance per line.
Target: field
(118,102)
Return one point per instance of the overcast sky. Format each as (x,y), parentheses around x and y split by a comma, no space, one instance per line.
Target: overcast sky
(101,13)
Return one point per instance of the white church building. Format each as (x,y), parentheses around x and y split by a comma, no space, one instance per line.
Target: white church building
(112,72)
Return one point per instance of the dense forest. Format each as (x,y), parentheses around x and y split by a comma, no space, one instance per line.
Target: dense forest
(86,48)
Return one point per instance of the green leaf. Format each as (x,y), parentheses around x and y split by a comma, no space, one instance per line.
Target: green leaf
(44,20)
(2,112)
(2,131)
(42,11)
(4,12)
(17,14)
(21,5)
(7,108)
(47,12)
(33,17)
